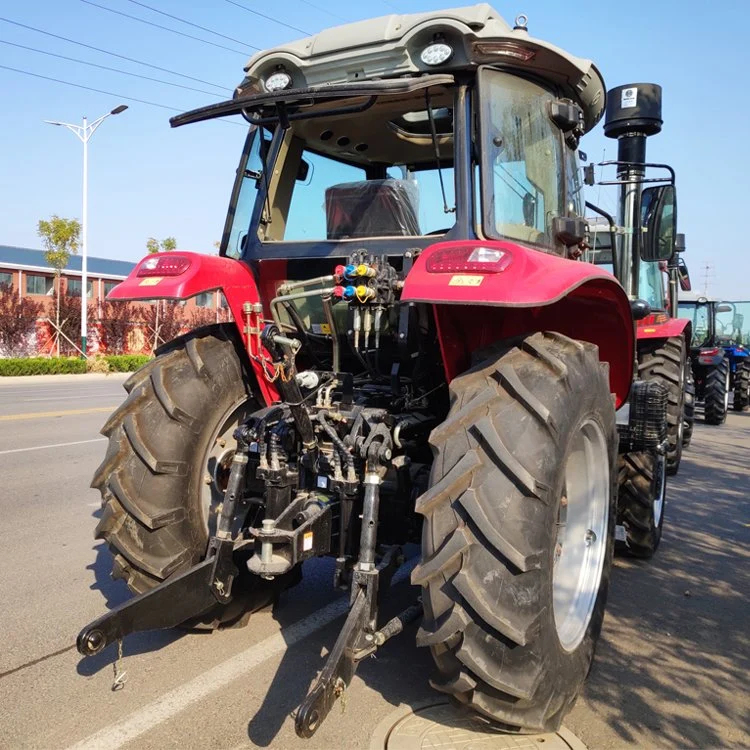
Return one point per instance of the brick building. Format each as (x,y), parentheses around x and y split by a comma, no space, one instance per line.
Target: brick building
(27,271)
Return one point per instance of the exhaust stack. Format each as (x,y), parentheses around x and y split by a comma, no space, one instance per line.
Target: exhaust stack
(633,114)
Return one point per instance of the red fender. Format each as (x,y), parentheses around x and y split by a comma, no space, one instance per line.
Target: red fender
(203,273)
(653,327)
(533,291)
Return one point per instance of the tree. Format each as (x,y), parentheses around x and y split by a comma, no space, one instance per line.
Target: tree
(166,245)
(201,316)
(60,238)
(69,321)
(115,324)
(164,320)
(18,318)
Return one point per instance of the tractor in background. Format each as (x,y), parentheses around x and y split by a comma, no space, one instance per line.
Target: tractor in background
(418,355)
(733,333)
(633,115)
(719,353)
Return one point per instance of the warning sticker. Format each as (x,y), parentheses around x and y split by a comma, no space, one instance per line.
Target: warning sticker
(629,98)
(150,281)
(307,541)
(464,280)
(321,329)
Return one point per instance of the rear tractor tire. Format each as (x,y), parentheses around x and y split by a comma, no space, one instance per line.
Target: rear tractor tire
(716,399)
(519,531)
(170,445)
(742,387)
(641,501)
(667,363)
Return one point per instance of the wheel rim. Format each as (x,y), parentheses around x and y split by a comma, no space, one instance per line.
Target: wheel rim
(581,543)
(726,392)
(661,489)
(216,463)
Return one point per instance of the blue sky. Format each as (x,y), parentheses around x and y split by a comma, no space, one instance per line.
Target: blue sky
(149,180)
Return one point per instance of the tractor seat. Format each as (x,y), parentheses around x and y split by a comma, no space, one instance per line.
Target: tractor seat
(372,208)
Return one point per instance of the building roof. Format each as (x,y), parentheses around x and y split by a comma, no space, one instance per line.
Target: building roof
(28,258)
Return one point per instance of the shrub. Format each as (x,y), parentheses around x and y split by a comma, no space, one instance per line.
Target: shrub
(42,366)
(97,364)
(126,362)
(71,365)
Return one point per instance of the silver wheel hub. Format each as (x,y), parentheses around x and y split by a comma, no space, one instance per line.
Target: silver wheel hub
(581,544)
(726,391)
(218,459)
(661,489)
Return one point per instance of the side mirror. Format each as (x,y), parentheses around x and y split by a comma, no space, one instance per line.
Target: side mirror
(683,276)
(568,230)
(303,171)
(723,308)
(640,309)
(659,222)
(679,243)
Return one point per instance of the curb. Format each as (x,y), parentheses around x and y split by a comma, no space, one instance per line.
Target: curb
(83,377)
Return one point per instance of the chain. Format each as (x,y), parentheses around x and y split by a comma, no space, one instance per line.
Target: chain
(121,675)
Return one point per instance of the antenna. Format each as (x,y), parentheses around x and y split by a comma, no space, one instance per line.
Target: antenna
(708,275)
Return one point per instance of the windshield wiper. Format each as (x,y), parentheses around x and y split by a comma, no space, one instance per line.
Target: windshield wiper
(436,147)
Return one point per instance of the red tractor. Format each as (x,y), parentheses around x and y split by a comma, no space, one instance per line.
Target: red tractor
(417,355)
(663,339)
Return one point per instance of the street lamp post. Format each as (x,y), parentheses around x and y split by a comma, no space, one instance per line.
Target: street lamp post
(83,133)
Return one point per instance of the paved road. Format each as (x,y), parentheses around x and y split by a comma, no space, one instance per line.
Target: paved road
(671,670)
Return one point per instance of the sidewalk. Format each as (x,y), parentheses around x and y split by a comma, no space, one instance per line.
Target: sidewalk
(83,377)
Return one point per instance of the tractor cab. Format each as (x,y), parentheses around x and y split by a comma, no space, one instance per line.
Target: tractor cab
(449,125)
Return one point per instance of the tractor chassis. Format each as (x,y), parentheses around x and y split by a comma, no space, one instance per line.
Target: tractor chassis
(188,595)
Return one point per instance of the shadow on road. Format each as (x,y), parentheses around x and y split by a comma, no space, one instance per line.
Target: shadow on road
(673,661)
(114,593)
(676,647)
(398,672)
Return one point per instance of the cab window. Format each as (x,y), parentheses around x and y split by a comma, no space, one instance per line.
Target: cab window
(522,162)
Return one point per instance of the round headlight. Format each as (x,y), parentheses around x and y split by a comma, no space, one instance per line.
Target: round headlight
(278,81)
(436,53)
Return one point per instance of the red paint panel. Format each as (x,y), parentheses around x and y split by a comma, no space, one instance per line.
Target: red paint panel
(536,292)
(530,277)
(205,273)
(672,327)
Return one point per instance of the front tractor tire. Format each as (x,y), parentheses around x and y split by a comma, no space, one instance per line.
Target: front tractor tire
(170,444)
(641,501)
(716,399)
(666,362)
(519,531)
(742,387)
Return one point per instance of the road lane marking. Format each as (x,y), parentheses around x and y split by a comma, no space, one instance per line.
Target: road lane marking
(170,704)
(54,445)
(46,414)
(69,397)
